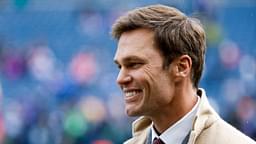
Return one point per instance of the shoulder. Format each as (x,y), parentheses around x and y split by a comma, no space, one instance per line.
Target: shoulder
(222,132)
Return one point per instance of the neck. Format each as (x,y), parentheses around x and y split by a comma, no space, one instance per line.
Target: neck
(183,101)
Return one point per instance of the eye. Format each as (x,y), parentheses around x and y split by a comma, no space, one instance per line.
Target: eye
(118,66)
(133,65)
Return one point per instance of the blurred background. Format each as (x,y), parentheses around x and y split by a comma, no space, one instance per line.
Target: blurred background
(57,78)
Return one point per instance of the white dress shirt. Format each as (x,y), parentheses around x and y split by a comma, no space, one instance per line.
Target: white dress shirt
(176,133)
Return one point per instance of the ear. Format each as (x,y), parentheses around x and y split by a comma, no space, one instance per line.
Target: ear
(183,65)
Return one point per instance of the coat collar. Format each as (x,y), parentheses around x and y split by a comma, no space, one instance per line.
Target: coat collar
(204,118)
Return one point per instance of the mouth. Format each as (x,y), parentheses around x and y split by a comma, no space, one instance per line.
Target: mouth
(132,95)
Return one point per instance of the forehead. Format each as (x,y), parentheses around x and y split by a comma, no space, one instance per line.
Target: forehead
(139,43)
(137,35)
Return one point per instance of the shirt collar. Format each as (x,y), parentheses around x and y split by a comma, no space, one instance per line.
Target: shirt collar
(179,130)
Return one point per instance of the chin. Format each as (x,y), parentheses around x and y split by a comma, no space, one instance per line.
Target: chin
(133,113)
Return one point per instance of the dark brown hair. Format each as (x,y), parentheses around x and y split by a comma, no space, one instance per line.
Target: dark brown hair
(175,34)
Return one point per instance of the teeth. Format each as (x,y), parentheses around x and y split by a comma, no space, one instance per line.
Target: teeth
(130,93)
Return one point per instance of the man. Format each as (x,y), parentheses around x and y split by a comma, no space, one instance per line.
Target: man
(160,55)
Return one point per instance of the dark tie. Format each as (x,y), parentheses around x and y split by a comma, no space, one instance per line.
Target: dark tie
(157,141)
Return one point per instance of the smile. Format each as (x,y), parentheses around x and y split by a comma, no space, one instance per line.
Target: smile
(132,93)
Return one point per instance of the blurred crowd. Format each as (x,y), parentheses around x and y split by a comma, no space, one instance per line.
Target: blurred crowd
(57,78)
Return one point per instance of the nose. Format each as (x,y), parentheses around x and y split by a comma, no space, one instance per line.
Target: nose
(123,77)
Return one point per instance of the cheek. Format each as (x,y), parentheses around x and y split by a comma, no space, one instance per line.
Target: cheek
(153,85)
(151,75)
(141,77)
(160,86)
(155,82)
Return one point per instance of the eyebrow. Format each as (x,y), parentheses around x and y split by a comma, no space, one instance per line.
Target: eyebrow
(130,58)
(116,62)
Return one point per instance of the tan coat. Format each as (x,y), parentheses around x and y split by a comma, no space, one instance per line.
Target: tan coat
(208,128)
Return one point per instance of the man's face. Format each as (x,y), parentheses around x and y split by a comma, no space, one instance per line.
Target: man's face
(146,86)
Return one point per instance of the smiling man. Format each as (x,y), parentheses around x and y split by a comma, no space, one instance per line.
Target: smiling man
(160,55)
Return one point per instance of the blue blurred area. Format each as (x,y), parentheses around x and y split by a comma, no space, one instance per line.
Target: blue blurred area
(58,79)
